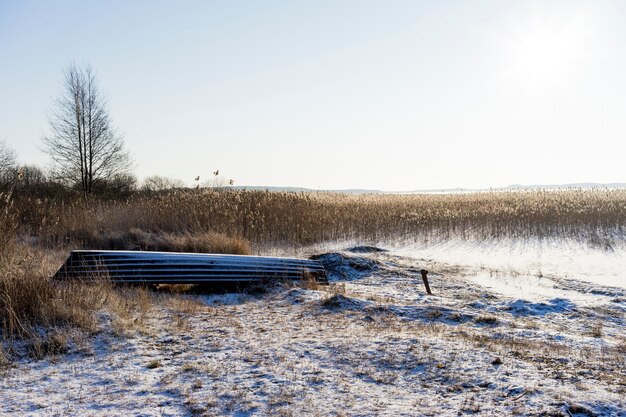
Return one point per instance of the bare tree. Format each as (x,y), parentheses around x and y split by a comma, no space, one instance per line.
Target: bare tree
(84,146)
(7,158)
(30,175)
(159,183)
(7,166)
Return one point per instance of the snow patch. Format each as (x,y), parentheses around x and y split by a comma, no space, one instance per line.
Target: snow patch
(527,308)
(341,266)
(564,258)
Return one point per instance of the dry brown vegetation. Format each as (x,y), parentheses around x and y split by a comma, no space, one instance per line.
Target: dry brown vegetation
(44,313)
(271,219)
(35,232)
(27,299)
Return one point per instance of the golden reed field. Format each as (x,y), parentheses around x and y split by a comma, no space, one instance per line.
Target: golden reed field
(36,232)
(295,219)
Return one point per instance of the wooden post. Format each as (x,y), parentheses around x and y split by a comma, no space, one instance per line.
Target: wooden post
(425,279)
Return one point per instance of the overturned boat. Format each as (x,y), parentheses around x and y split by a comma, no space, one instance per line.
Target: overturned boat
(185,268)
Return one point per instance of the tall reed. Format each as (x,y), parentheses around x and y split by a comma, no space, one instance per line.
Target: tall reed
(284,218)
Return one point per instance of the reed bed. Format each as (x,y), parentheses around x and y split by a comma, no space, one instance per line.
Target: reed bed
(36,230)
(38,316)
(297,219)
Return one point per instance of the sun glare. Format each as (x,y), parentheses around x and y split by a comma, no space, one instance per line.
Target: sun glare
(546,51)
(544,55)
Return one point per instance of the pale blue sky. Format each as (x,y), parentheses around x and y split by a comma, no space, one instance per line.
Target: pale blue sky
(392,95)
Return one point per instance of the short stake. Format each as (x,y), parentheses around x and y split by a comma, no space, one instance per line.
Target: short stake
(425,279)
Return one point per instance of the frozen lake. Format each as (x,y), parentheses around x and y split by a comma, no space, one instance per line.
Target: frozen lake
(532,268)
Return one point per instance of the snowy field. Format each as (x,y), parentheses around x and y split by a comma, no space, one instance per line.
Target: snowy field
(512,329)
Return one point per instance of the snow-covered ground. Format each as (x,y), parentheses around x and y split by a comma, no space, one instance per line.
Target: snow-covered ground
(562,258)
(534,269)
(507,331)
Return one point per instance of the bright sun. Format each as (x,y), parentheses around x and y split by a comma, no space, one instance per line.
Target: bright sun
(545,52)
(544,55)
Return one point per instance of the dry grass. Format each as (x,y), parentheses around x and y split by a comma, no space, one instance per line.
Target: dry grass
(310,282)
(137,239)
(337,295)
(596,330)
(46,313)
(188,219)
(32,307)
(153,364)
(486,319)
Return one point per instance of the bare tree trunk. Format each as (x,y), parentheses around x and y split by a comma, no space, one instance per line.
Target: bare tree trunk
(74,84)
